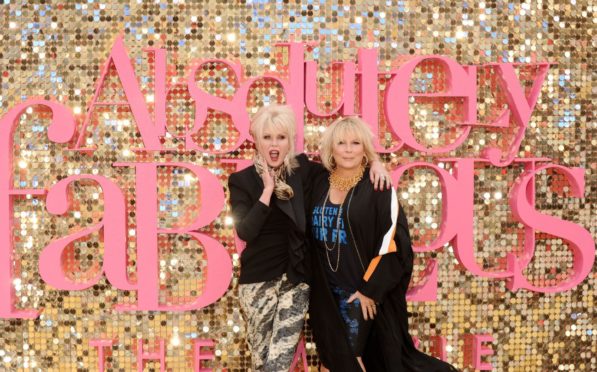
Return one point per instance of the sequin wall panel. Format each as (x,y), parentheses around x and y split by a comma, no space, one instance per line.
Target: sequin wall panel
(60,51)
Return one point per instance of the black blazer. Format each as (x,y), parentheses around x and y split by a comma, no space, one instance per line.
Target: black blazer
(250,214)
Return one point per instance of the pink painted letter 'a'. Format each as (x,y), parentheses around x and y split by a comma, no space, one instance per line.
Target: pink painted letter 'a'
(113,225)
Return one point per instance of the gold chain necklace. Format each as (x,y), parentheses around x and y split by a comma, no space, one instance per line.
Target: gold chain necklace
(345,183)
(336,244)
(351,233)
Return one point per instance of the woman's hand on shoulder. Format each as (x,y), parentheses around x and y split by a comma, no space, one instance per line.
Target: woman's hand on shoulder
(380,178)
(368,306)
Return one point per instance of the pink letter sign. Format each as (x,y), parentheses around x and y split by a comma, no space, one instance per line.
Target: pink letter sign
(61,130)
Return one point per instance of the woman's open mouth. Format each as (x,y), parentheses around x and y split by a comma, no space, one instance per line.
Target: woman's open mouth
(274,155)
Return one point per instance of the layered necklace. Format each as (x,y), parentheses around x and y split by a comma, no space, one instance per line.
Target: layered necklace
(343,184)
(335,244)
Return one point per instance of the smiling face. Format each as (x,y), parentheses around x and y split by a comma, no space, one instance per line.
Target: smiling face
(273,145)
(348,151)
(347,144)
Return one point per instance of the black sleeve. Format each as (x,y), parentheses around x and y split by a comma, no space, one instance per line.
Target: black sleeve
(309,169)
(403,242)
(249,216)
(311,173)
(385,270)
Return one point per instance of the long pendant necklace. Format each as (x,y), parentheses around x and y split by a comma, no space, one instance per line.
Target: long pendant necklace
(356,248)
(335,244)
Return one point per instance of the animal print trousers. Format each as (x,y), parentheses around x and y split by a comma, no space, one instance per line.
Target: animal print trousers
(274,312)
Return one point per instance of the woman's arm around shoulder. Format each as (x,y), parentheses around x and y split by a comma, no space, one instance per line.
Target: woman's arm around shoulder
(309,168)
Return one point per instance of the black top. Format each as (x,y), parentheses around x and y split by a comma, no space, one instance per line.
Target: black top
(268,229)
(334,246)
(268,260)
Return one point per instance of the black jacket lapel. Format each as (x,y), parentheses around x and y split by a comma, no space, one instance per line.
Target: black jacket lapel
(258,179)
(289,206)
(297,201)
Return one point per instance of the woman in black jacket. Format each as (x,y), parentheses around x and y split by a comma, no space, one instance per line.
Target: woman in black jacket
(362,263)
(268,208)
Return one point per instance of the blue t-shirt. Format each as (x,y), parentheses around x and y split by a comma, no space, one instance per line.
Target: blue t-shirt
(340,259)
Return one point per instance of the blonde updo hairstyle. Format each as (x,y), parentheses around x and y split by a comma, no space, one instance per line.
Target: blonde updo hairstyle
(337,131)
(280,117)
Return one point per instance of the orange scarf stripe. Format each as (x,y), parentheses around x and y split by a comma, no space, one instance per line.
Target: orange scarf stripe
(373,264)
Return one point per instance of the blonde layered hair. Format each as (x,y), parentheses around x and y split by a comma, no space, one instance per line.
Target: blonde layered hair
(338,131)
(281,117)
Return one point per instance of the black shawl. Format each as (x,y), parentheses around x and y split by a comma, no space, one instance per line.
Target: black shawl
(380,230)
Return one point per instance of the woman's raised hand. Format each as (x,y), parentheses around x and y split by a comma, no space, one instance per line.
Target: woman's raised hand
(268,182)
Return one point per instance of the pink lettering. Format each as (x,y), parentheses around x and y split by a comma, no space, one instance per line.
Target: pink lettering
(579,240)
(113,225)
(219,272)
(143,356)
(199,355)
(61,129)
(102,346)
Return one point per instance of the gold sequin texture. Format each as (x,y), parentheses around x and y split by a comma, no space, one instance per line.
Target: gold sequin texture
(58,49)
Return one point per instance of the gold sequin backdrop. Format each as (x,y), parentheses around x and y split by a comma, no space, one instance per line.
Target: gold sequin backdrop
(57,48)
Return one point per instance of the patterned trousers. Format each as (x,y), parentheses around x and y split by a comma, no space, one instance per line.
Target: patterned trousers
(275,313)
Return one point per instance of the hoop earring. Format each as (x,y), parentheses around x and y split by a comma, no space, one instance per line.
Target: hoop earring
(332,161)
(365,160)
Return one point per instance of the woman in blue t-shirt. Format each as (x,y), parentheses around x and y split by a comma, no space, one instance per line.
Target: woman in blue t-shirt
(363,262)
